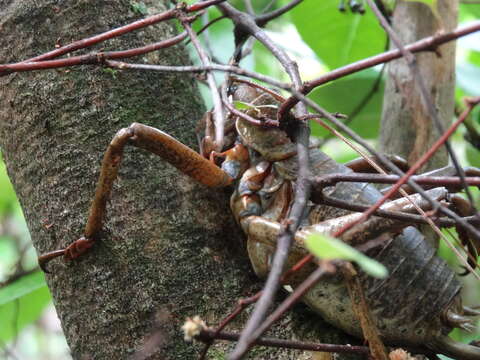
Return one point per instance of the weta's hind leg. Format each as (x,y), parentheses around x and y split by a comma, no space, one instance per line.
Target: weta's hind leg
(362,165)
(155,141)
(263,233)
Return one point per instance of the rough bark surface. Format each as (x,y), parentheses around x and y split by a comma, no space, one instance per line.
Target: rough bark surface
(407,129)
(170,247)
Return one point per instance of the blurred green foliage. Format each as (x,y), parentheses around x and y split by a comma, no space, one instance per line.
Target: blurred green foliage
(24,296)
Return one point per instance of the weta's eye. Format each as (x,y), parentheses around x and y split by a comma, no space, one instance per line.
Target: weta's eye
(232,89)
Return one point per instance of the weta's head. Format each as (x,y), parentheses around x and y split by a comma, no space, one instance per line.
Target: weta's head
(253,94)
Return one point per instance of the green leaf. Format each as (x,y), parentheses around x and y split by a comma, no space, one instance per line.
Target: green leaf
(338,38)
(344,96)
(24,285)
(339,151)
(469,12)
(372,267)
(240,105)
(473,155)
(22,311)
(329,248)
(265,62)
(474,57)
(8,200)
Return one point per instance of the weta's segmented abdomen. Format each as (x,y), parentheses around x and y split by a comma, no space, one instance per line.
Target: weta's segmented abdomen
(420,287)
(409,304)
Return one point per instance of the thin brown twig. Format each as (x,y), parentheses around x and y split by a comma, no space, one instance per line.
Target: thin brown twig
(291,300)
(242,304)
(246,23)
(360,106)
(445,181)
(210,23)
(91,59)
(167,15)
(263,19)
(426,44)
(218,115)
(199,69)
(412,170)
(426,97)
(386,162)
(263,122)
(448,181)
(206,34)
(207,335)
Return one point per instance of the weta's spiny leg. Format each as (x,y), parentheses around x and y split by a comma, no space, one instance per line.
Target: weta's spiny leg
(471,311)
(155,141)
(361,165)
(455,320)
(464,208)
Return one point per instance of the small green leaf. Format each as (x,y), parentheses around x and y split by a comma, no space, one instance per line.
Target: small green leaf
(326,247)
(24,285)
(240,105)
(371,267)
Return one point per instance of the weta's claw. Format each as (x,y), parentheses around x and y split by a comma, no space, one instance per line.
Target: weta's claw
(471,311)
(44,259)
(71,252)
(455,320)
(464,208)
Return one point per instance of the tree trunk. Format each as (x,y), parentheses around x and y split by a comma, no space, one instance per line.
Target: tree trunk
(170,248)
(407,129)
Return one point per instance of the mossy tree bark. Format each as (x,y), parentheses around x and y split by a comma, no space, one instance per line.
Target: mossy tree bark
(407,129)
(170,249)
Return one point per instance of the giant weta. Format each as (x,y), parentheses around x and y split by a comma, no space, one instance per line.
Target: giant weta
(416,306)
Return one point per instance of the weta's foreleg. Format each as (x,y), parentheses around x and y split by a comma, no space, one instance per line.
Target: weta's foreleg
(155,141)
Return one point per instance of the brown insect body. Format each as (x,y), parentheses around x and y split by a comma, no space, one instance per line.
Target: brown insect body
(416,306)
